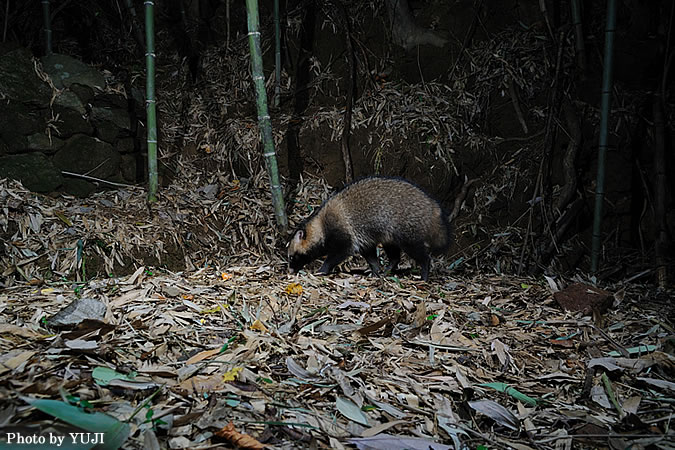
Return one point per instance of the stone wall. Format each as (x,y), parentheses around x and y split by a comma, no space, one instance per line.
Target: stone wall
(57,115)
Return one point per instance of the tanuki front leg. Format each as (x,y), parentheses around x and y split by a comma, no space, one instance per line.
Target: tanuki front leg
(331,261)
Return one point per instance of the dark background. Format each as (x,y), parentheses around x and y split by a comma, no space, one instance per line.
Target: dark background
(519,102)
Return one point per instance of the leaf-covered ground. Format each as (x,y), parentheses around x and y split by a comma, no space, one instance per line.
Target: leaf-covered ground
(235,351)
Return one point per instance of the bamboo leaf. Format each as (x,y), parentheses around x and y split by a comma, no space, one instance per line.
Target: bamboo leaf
(348,409)
(496,412)
(115,433)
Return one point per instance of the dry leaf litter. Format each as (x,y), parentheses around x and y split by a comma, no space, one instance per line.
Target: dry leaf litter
(301,360)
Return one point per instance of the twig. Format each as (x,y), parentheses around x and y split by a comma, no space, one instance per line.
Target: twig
(4,28)
(87,177)
(638,275)
(544,12)
(459,200)
(538,186)
(347,122)
(569,170)
(467,38)
(499,141)
(669,55)
(516,106)
(614,344)
(599,435)
(58,9)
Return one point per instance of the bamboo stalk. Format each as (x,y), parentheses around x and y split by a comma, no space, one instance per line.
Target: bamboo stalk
(48,27)
(150,100)
(264,121)
(277,54)
(606,96)
(662,242)
(579,37)
(351,83)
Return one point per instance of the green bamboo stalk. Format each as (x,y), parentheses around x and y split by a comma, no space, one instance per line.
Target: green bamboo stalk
(48,26)
(277,54)
(578,37)
(264,121)
(606,96)
(150,99)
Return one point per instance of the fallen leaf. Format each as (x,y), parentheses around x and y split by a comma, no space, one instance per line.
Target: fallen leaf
(232,374)
(351,411)
(13,359)
(202,356)
(388,442)
(259,326)
(239,439)
(497,412)
(294,289)
(6,328)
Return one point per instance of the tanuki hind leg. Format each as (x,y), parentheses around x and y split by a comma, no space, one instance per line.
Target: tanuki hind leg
(394,255)
(421,257)
(371,256)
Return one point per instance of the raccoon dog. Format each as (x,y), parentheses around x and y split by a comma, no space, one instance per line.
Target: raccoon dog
(371,211)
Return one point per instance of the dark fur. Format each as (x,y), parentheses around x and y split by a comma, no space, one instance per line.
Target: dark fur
(370,211)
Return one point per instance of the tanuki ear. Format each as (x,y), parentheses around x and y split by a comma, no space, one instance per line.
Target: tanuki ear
(299,236)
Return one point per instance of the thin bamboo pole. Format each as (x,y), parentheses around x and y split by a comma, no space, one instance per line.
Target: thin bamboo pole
(48,27)
(277,54)
(579,37)
(264,121)
(150,100)
(607,72)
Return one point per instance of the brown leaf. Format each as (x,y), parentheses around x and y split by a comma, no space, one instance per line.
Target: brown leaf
(18,331)
(239,439)
(202,356)
(371,328)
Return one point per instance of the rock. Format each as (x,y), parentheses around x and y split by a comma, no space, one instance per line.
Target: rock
(16,121)
(87,155)
(138,97)
(111,101)
(19,82)
(128,167)
(84,93)
(125,145)
(72,115)
(43,143)
(79,187)
(68,99)
(35,171)
(583,297)
(109,122)
(13,143)
(66,71)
